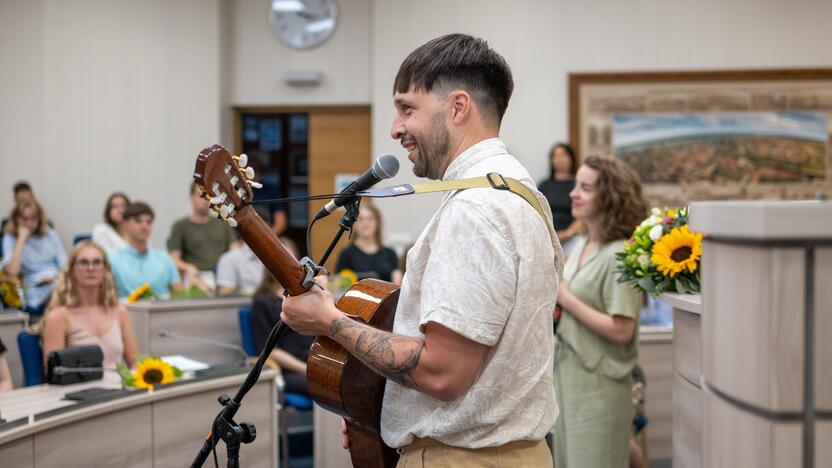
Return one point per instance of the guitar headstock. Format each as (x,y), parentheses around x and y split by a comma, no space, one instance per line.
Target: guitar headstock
(226,181)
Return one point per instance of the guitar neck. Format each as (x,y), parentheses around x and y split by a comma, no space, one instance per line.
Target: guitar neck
(264,243)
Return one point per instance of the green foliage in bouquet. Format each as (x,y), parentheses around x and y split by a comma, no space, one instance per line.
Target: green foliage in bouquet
(663,254)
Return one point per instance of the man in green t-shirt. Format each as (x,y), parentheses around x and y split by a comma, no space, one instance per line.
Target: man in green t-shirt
(198,240)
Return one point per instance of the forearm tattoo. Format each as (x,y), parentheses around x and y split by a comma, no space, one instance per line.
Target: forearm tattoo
(391,356)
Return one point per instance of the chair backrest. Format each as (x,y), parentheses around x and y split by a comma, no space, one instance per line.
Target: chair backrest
(31,355)
(247,331)
(81,237)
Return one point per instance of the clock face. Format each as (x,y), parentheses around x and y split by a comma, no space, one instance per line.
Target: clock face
(303,23)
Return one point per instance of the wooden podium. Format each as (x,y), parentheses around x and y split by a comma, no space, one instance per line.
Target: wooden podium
(766,385)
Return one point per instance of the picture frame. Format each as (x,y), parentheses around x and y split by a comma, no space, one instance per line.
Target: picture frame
(597,99)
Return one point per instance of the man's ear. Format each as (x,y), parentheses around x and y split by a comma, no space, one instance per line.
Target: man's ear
(462,105)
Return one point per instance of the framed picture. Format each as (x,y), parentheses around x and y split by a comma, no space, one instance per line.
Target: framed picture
(697,135)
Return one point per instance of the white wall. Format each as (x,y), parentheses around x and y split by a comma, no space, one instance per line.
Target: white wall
(99,95)
(104,95)
(259,60)
(544,40)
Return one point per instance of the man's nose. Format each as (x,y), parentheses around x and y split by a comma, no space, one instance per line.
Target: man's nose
(397,131)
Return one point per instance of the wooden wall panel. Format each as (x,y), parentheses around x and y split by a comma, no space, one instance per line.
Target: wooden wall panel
(339,142)
(823,330)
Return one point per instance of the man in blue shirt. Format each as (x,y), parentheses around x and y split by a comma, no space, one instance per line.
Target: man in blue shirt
(137,264)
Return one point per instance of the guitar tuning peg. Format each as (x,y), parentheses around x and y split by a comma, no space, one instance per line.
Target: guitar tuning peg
(214,213)
(219,199)
(241,193)
(225,210)
(205,196)
(249,173)
(242,161)
(254,184)
(231,222)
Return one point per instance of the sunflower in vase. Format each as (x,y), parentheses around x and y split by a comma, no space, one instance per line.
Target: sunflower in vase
(663,254)
(150,372)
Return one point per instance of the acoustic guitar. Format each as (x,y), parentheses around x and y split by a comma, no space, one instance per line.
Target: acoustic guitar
(338,381)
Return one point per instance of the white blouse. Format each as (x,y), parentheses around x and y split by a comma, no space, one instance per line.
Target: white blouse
(107,237)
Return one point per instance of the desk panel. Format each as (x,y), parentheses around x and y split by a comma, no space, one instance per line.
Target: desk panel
(11,323)
(159,429)
(213,319)
(121,439)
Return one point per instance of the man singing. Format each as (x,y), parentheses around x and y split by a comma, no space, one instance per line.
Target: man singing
(469,360)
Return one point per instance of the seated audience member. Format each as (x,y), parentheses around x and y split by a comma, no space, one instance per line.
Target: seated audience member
(366,255)
(197,241)
(33,251)
(292,349)
(239,270)
(107,234)
(84,309)
(137,264)
(22,191)
(5,373)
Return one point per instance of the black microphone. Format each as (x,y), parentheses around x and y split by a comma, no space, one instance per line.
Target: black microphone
(385,167)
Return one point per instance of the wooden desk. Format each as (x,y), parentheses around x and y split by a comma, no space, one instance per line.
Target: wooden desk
(159,429)
(687,375)
(655,356)
(214,319)
(11,323)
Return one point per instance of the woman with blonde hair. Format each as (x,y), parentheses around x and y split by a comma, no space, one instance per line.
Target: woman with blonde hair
(33,251)
(85,310)
(597,342)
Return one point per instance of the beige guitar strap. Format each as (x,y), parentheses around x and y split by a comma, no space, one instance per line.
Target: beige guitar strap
(492,180)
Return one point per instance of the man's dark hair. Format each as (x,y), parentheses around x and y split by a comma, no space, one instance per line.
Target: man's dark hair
(459,61)
(136,209)
(21,186)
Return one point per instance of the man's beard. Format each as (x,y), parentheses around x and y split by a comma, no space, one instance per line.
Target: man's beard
(433,150)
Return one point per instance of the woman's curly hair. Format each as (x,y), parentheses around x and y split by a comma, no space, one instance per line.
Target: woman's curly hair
(621,204)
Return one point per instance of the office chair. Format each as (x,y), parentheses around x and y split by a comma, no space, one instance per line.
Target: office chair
(31,356)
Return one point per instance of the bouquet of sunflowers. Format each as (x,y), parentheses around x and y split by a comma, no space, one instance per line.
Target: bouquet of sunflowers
(9,292)
(663,254)
(150,371)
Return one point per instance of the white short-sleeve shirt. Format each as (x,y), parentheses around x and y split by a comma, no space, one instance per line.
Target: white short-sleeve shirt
(486,266)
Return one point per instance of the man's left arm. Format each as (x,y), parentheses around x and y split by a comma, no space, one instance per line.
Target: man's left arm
(443,364)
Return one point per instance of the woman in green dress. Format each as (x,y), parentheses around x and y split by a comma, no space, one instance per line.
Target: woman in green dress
(597,335)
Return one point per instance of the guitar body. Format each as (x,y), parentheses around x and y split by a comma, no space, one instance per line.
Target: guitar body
(341,383)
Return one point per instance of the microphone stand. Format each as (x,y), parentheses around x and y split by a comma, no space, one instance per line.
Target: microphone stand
(224,428)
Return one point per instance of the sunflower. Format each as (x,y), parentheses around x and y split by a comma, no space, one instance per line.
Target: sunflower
(676,251)
(142,292)
(348,278)
(153,371)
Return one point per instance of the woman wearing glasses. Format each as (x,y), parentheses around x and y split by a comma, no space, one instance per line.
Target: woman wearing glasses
(85,310)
